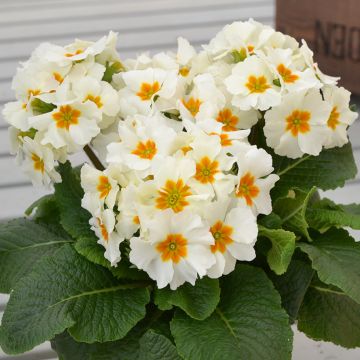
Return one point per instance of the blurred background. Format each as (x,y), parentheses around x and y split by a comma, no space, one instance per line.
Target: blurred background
(331,27)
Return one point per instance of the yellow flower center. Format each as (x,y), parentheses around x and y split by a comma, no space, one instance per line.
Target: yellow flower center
(33,92)
(205,170)
(38,163)
(145,150)
(193,105)
(184,71)
(333,120)
(58,77)
(173,248)
(298,122)
(66,116)
(104,186)
(257,84)
(173,195)
(287,74)
(247,188)
(148,90)
(229,120)
(222,236)
(77,52)
(95,99)
(104,232)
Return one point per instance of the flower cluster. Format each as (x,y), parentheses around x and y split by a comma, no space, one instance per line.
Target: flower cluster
(182,182)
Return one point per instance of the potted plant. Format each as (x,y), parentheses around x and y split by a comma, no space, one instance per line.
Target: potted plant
(196,229)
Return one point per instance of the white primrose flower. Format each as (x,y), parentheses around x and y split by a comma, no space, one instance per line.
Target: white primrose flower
(185,56)
(234,230)
(17,113)
(103,224)
(100,188)
(175,249)
(39,163)
(72,124)
(251,84)
(341,117)
(298,125)
(140,145)
(254,179)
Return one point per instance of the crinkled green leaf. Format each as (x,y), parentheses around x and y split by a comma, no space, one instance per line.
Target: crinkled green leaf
(327,171)
(328,314)
(336,258)
(154,346)
(67,291)
(293,285)
(249,322)
(22,244)
(325,213)
(69,193)
(292,211)
(197,301)
(283,246)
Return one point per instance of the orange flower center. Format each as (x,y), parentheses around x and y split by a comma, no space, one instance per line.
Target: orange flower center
(298,122)
(247,188)
(184,71)
(222,236)
(186,149)
(205,170)
(287,74)
(193,105)
(33,92)
(58,77)
(66,116)
(145,150)
(229,120)
(333,120)
(174,247)
(95,99)
(148,90)
(173,195)
(104,186)
(136,220)
(77,52)
(38,163)
(104,232)
(257,84)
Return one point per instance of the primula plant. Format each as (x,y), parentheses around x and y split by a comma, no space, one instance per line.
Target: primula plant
(196,230)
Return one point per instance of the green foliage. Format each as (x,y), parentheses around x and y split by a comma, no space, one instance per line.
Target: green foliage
(325,213)
(327,171)
(328,314)
(40,107)
(65,291)
(336,258)
(22,244)
(249,322)
(112,69)
(283,246)
(197,301)
(292,211)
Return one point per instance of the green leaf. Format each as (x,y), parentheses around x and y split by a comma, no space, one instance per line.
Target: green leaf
(112,69)
(336,258)
(283,246)
(197,301)
(154,346)
(328,314)
(325,213)
(67,291)
(40,107)
(69,193)
(88,247)
(239,55)
(327,171)
(22,244)
(249,322)
(292,211)
(293,285)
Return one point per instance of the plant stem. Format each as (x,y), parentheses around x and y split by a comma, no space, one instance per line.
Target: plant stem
(93,158)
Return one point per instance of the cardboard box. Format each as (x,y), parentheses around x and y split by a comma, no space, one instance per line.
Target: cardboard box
(332,30)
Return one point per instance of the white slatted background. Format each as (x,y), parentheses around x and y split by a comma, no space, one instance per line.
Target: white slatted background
(143,25)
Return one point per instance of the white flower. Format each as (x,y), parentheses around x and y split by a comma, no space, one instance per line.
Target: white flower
(140,145)
(73,124)
(175,250)
(17,114)
(103,224)
(299,125)
(234,231)
(254,179)
(39,163)
(100,188)
(341,117)
(251,83)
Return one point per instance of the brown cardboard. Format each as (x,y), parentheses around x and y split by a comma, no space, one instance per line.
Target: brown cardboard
(332,30)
